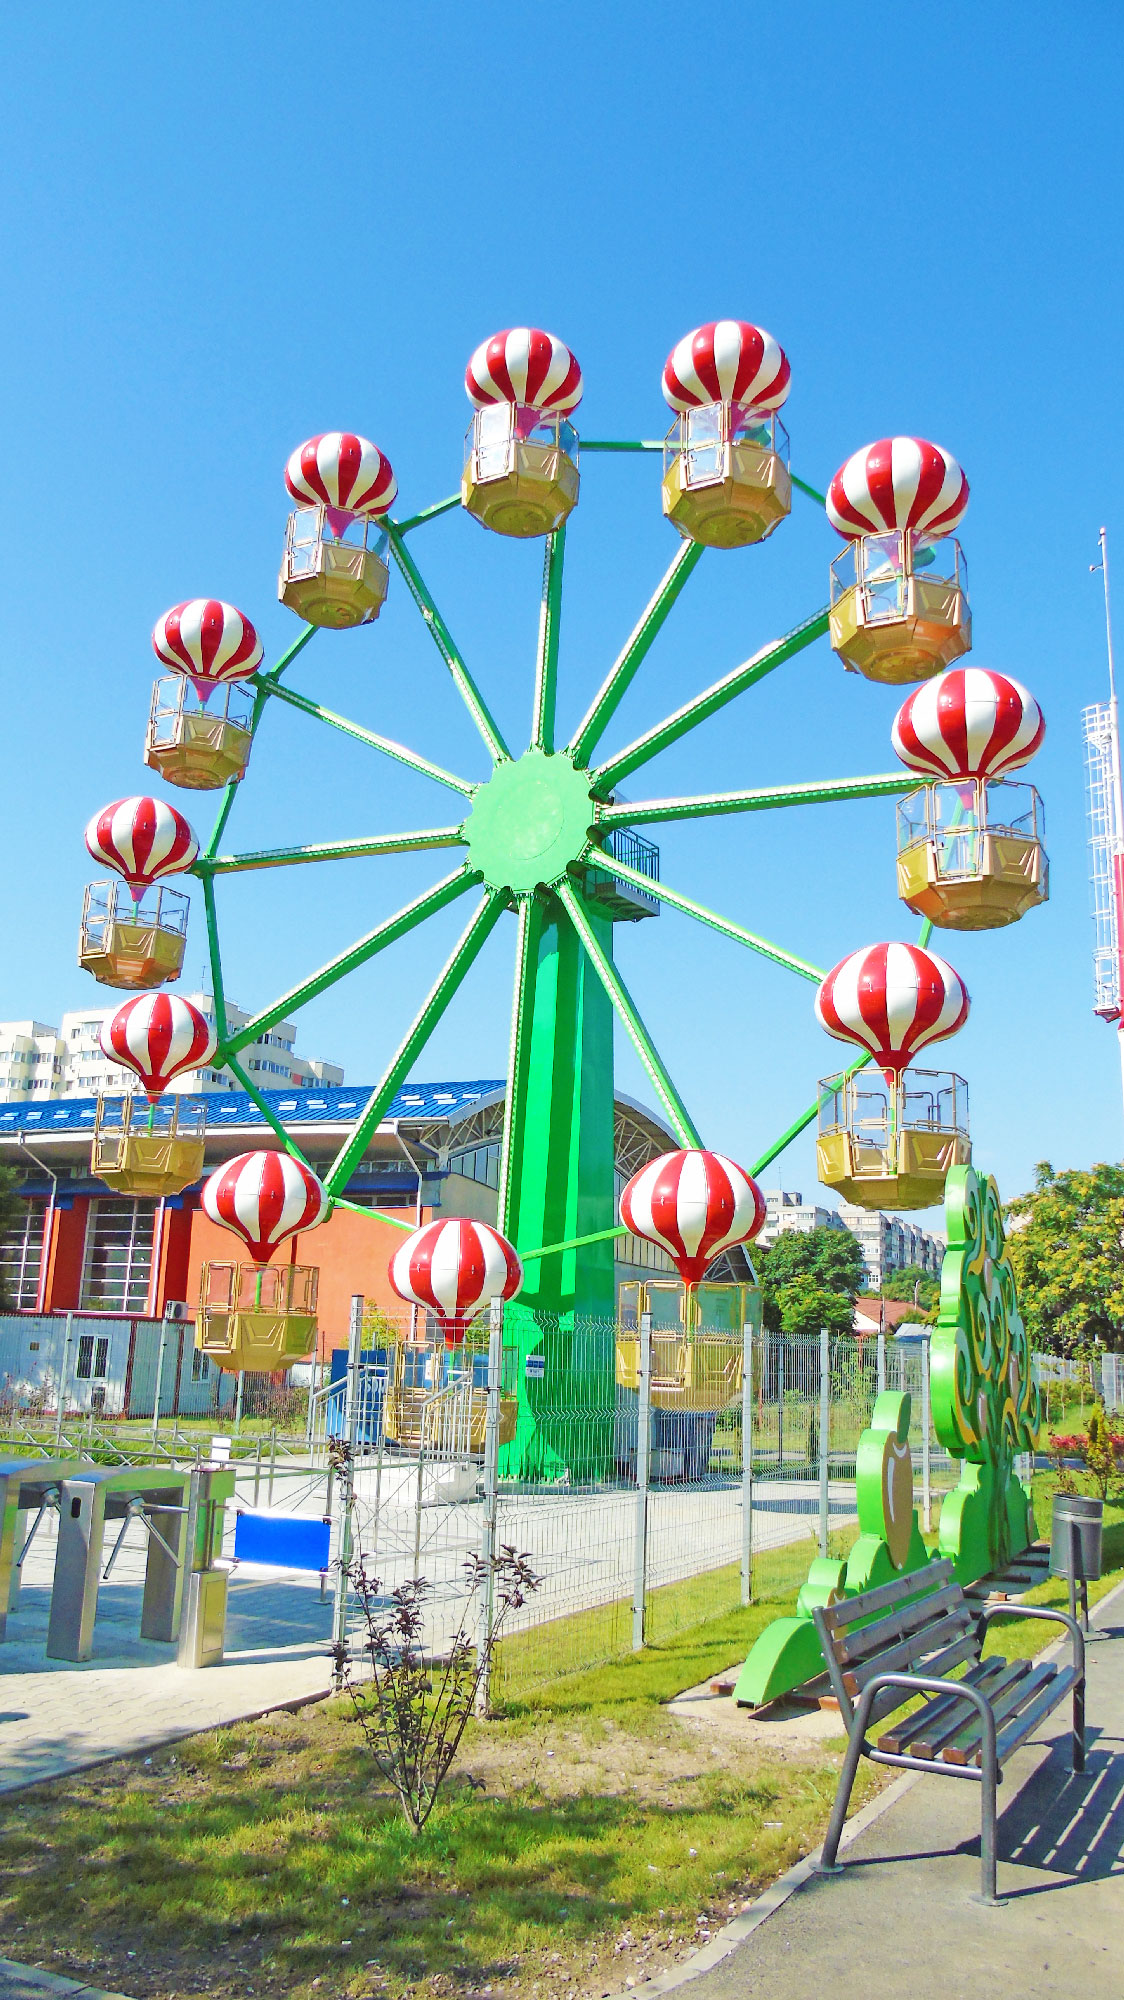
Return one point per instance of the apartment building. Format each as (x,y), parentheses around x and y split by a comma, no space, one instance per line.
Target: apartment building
(39,1062)
(888,1242)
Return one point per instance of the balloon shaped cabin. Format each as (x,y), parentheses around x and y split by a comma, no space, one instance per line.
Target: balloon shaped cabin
(159,1150)
(899,595)
(521,450)
(890,1143)
(726,480)
(449,1271)
(134,931)
(970,853)
(200,718)
(334,571)
(260,1316)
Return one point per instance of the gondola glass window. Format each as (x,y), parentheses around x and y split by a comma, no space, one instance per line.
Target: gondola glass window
(21,1257)
(118,1262)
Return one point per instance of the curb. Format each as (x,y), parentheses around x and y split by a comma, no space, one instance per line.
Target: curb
(17,1980)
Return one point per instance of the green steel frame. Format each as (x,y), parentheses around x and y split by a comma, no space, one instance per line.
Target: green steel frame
(535,839)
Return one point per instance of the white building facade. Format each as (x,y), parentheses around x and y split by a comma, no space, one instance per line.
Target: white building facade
(888,1242)
(38,1062)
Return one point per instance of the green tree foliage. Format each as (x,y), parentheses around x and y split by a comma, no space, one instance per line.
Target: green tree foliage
(1065,1244)
(810,1279)
(921,1288)
(11,1213)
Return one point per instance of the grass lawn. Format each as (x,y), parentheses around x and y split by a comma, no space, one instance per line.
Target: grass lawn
(587,1837)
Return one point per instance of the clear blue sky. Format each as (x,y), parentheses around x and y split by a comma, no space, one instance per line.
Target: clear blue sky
(227,228)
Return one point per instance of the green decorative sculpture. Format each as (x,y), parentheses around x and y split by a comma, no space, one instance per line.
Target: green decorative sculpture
(889,1544)
(986,1403)
(986,1408)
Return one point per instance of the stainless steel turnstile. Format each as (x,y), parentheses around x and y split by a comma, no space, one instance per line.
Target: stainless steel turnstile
(157,1496)
(29,1489)
(203,1626)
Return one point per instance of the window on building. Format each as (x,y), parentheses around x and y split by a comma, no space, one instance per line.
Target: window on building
(479,1163)
(118,1260)
(21,1258)
(200,1366)
(93,1358)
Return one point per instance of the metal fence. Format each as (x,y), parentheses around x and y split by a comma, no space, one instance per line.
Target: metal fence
(654,1479)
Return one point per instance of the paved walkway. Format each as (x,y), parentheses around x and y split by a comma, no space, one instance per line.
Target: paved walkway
(900,1924)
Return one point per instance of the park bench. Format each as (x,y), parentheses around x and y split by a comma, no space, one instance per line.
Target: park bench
(890,1643)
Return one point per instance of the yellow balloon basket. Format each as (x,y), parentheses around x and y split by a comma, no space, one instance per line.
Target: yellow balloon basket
(329,579)
(521,470)
(437,1400)
(259,1317)
(899,606)
(144,1149)
(970,856)
(726,481)
(195,745)
(884,1145)
(132,945)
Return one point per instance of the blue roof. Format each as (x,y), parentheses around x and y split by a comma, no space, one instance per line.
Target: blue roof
(339,1104)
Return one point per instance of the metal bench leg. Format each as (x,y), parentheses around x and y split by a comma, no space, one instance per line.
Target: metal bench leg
(828,1864)
(1079,1724)
(988,1815)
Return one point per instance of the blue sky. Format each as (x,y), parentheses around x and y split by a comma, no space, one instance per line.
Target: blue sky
(225,229)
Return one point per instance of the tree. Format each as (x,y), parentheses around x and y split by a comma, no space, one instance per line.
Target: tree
(922,1288)
(810,1278)
(11,1212)
(1065,1239)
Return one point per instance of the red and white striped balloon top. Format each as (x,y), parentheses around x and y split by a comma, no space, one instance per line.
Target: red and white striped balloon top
(524,365)
(142,839)
(160,1036)
(899,482)
(893,999)
(343,473)
(694,1204)
(454,1269)
(969,723)
(265,1198)
(208,640)
(727,361)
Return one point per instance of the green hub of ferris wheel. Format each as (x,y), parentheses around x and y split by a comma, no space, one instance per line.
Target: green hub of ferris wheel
(530,822)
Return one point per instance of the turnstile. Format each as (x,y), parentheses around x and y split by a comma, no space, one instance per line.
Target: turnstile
(158,1497)
(29,1488)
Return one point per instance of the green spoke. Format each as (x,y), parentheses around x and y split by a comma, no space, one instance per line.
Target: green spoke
(426,514)
(213,954)
(804,487)
(437,1000)
(523,973)
(264,685)
(386,744)
(575,1243)
(678,1115)
(398,926)
(270,1116)
(622,444)
(805,1119)
(546,663)
(373,1214)
(333,850)
(624,668)
(442,639)
(710,701)
(690,908)
(816,791)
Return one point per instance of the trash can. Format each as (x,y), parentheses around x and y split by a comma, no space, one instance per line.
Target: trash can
(1084,1548)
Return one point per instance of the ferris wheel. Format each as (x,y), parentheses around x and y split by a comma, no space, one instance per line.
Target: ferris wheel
(547,841)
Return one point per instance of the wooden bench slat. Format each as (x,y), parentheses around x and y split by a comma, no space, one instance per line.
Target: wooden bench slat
(892,1698)
(920,1652)
(866,1639)
(946,1728)
(926,1727)
(1025,1724)
(1009,1701)
(915,1583)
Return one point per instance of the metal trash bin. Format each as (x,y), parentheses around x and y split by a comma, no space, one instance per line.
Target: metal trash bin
(1077,1554)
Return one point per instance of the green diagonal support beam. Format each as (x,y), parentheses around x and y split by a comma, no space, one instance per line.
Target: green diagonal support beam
(520,1015)
(708,805)
(384,934)
(678,1116)
(624,669)
(443,640)
(426,514)
(267,1112)
(217,989)
(803,486)
(433,1006)
(709,702)
(334,850)
(690,908)
(546,660)
(264,685)
(622,444)
(374,1214)
(411,758)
